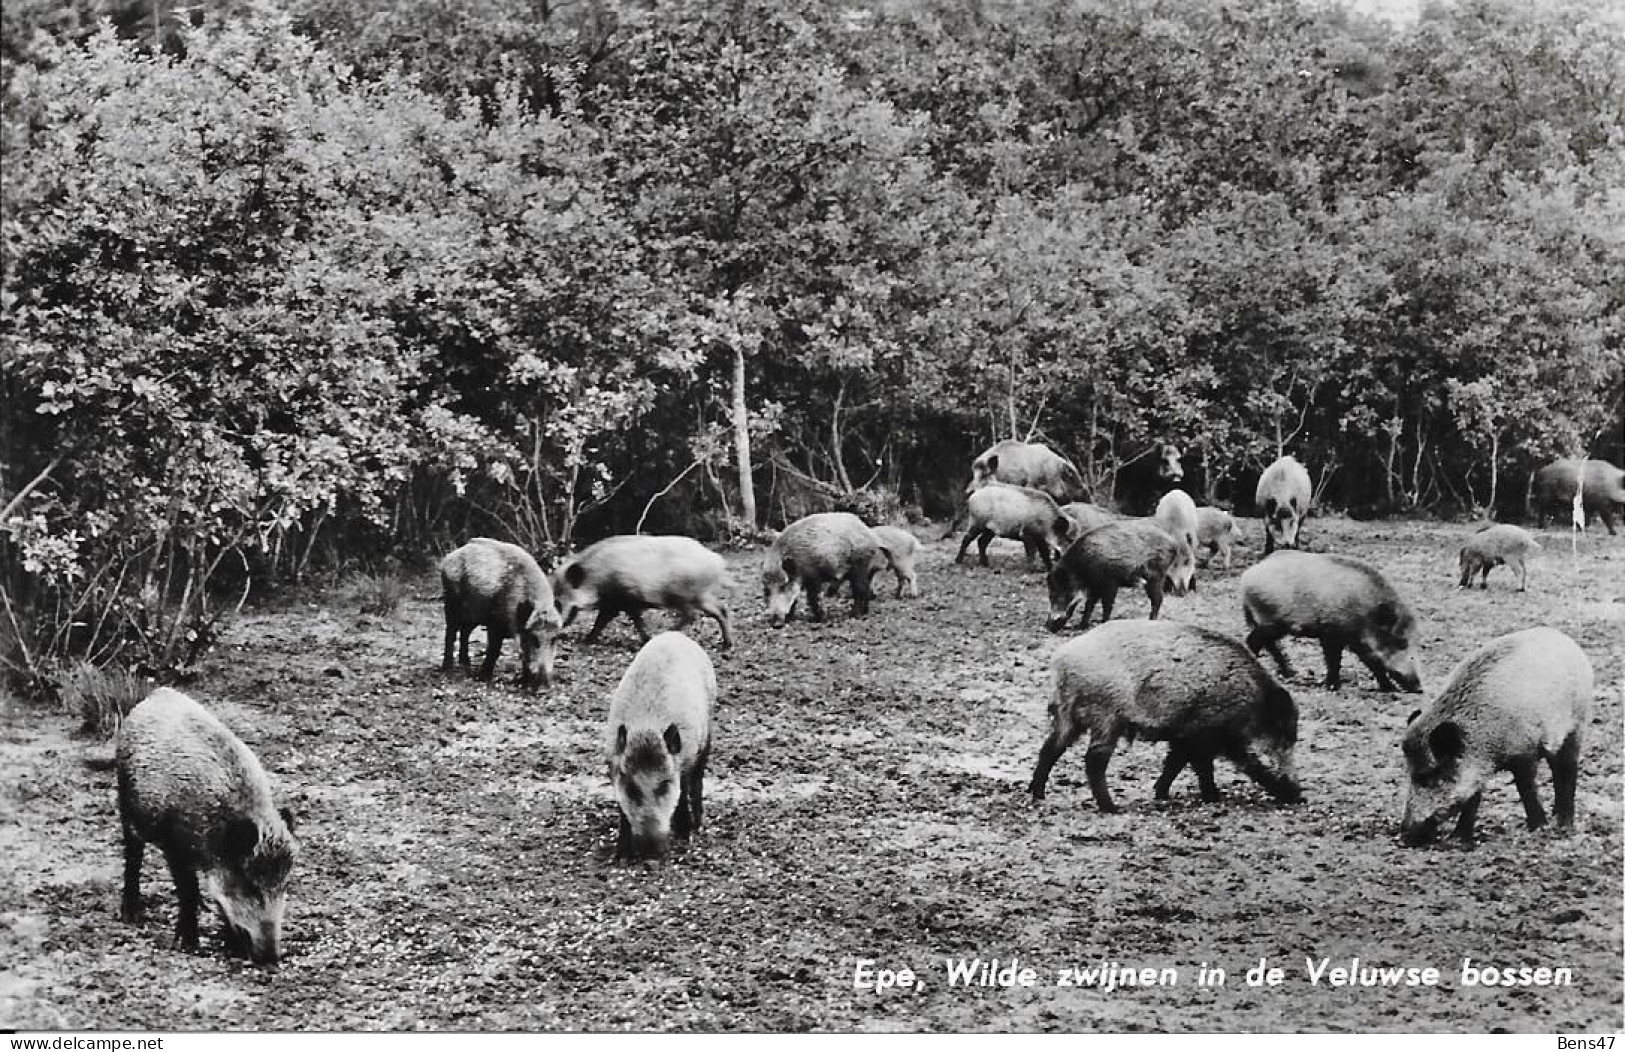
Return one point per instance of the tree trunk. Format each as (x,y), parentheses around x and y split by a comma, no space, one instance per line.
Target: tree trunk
(747,492)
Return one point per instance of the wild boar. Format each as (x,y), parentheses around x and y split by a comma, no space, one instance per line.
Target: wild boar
(1602,490)
(1496,545)
(190,787)
(1029,464)
(1283,498)
(1096,565)
(815,551)
(1143,478)
(1016,512)
(1086,517)
(1216,531)
(1176,514)
(498,585)
(1341,601)
(901,549)
(1518,699)
(632,574)
(1201,692)
(658,742)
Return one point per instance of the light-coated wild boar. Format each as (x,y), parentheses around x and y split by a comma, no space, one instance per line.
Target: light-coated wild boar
(1086,517)
(1176,514)
(1341,601)
(1016,512)
(901,551)
(1602,491)
(631,574)
(658,742)
(1283,498)
(1029,464)
(191,788)
(1216,532)
(498,585)
(1499,544)
(813,552)
(1117,555)
(1199,691)
(1517,700)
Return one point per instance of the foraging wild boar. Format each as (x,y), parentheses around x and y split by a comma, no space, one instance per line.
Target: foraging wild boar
(903,548)
(498,585)
(1176,514)
(191,788)
(1518,699)
(631,574)
(1199,691)
(814,551)
(1496,545)
(1342,602)
(1086,517)
(658,741)
(1216,530)
(1029,464)
(1096,565)
(1283,497)
(1018,513)
(1602,491)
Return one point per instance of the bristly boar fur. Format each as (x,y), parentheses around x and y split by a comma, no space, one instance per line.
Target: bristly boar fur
(1217,532)
(1018,513)
(1029,464)
(812,553)
(1602,491)
(1116,555)
(633,573)
(1086,517)
(658,741)
(1517,700)
(498,585)
(901,553)
(1341,601)
(1499,544)
(1200,691)
(1283,497)
(1176,514)
(191,788)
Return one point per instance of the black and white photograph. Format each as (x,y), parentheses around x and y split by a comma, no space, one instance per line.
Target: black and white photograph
(833,516)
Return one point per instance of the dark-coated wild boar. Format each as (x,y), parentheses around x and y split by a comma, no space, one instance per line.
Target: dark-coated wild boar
(1283,497)
(1176,514)
(1499,544)
(631,574)
(1342,602)
(1517,700)
(1016,512)
(1602,491)
(498,585)
(813,552)
(1096,565)
(1029,464)
(1199,691)
(658,742)
(191,788)
(1216,531)
(901,551)
(1086,517)
(1144,478)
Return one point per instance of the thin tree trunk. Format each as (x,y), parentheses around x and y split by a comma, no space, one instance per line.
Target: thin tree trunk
(747,491)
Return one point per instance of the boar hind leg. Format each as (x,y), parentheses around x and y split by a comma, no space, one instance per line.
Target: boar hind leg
(718,613)
(1268,637)
(1061,736)
(1095,760)
(606,614)
(983,539)
(1468,817)
(637,623)
(1108,598)
(862,589)
(1523,575)
(1523,776)
(1333,652)
(187,899)
(1565,765)
(134,850)
(813,589)
(493,648)
(696,788)
(1153,592)
(1171,766)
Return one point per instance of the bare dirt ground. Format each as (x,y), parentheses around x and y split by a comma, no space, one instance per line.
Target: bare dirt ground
(867,800)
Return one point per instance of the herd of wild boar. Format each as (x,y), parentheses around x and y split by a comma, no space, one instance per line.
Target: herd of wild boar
(189,786)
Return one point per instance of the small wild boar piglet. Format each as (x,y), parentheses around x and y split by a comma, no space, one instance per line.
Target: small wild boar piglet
(1216,531)
(901,549)
(658,742)
(1199,691)
(190,787)
(1520,698)
(498,585)
(1497,545)
(634,573)
(1026,515)
(813,552)
(1342,602)
(1283,497)
(1117,555)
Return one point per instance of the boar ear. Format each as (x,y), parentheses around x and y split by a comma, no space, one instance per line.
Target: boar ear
(287,817)
(241,836)
(674,741)
(1063,526)
(788,565)
(1269,507)
(1385,615)
(574,574)
(1447,741)
(620,738)
(991,466)
(1412,717)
